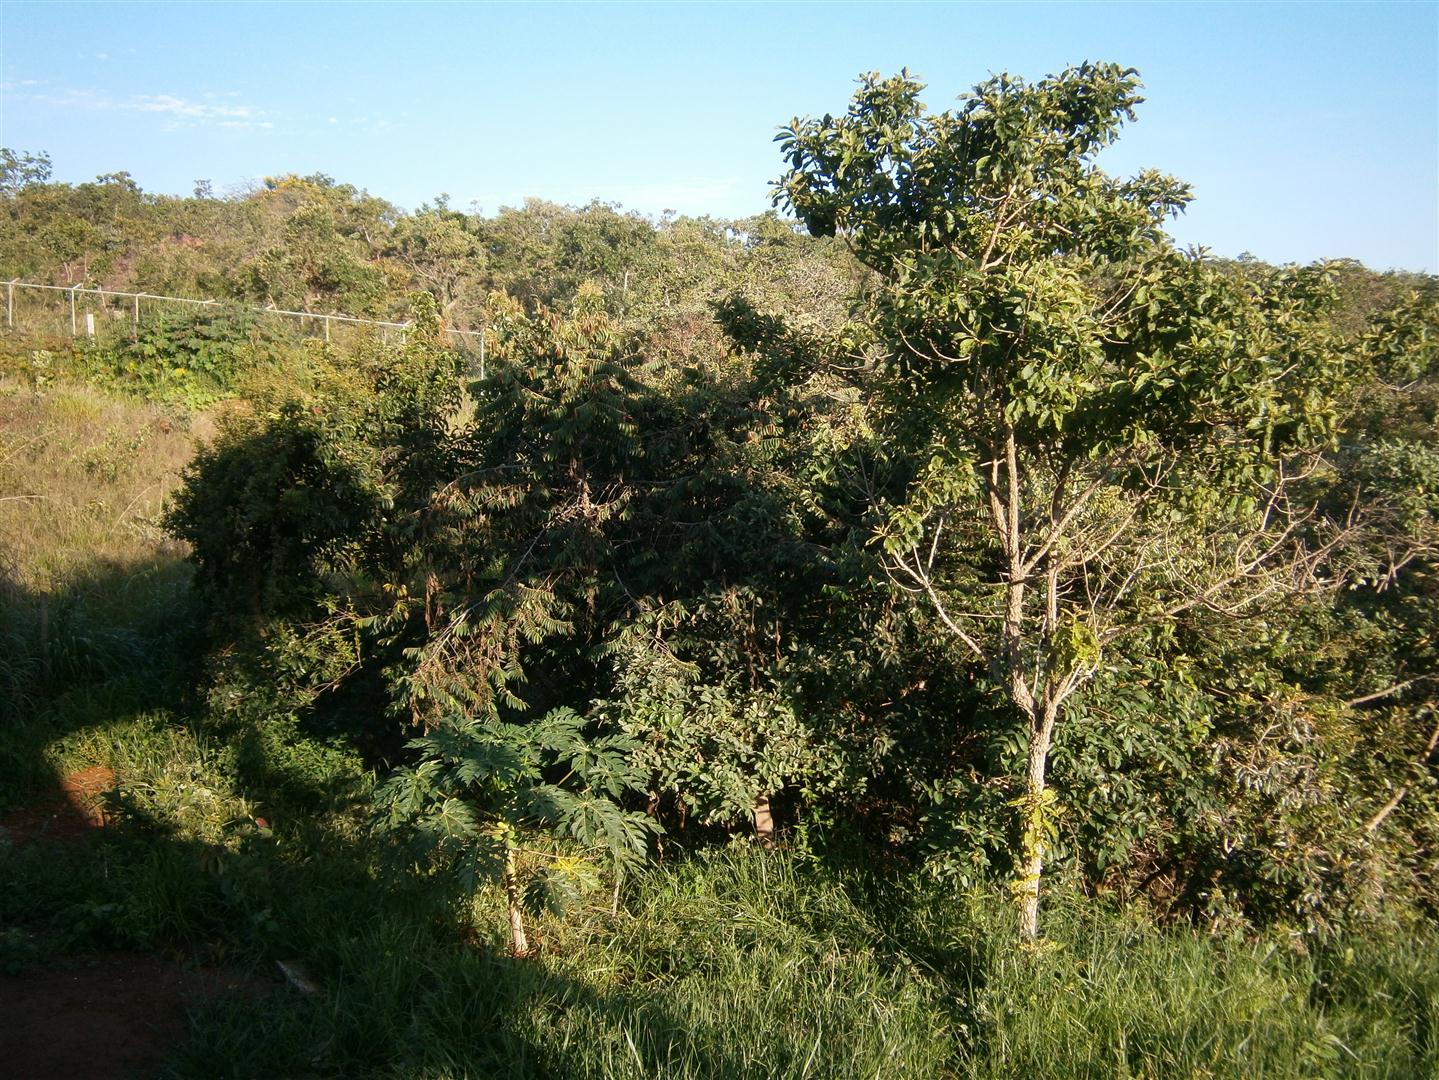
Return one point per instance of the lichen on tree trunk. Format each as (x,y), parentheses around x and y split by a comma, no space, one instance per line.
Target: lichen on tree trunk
(1036,806)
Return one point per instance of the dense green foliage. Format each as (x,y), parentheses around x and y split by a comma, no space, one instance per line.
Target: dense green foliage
(980,542)
(1089,436)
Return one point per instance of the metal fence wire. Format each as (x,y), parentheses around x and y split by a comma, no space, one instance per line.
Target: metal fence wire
(82,312)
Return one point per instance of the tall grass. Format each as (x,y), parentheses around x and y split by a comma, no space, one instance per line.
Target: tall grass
(92,593)
(1116,996)
(754,964)
(83,477)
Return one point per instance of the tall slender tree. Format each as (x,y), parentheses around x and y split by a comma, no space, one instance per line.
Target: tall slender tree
(1089,432)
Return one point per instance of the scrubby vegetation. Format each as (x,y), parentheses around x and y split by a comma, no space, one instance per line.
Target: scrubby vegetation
(968,637)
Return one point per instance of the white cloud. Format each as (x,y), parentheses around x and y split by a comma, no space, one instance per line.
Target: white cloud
(74,99)
(180,112)
(190,110)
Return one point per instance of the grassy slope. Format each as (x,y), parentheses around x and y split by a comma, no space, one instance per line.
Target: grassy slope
(92,593)
(729,964)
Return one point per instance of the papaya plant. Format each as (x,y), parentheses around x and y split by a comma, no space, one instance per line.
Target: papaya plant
(484,793)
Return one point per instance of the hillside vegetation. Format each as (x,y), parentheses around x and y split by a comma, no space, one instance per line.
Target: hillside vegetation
(956,635)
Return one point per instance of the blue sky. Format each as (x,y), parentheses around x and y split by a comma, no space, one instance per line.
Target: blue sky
(1307,130)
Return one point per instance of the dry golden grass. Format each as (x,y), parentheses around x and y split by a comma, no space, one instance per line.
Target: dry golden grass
(83,481)
(91,588)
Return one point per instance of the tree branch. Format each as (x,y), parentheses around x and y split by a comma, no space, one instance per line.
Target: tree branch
(1389,807)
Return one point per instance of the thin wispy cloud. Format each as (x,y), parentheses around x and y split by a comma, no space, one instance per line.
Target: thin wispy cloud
(178,111)
(192,110)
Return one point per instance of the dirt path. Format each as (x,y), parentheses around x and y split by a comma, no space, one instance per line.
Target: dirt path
(111,1017)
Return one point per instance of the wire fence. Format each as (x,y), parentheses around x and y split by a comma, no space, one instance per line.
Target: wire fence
(81,312)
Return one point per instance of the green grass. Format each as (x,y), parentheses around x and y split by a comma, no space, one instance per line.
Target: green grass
(1119,997)
(751,964)
(729,963)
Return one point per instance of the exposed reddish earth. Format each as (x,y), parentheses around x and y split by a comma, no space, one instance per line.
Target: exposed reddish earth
(110,1017)
(101,1017)
(67,815)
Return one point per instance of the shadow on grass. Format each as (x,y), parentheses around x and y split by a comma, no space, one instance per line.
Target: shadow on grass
(402,987)
(101,668)
(93,667)
(110,643)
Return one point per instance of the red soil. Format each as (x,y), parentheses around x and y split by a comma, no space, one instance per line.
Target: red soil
(102,1017)
(68,815)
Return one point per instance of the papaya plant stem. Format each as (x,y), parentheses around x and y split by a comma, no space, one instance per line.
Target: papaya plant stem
(519,944)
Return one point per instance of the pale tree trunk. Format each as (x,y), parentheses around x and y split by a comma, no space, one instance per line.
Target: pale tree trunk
(1035,815)
(1012,662)
(519,944)
(763,821)
(1040,713)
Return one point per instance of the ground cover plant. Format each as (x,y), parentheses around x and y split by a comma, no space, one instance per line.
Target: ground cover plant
(973,639)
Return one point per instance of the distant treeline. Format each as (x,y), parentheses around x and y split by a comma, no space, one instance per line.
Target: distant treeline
(315,244)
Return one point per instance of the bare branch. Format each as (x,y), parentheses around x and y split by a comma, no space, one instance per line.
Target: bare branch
(1056,529)
(922,580)
(1389,807)
(1388,691)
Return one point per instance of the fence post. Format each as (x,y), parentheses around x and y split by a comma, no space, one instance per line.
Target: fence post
(482,354)
(136,297)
